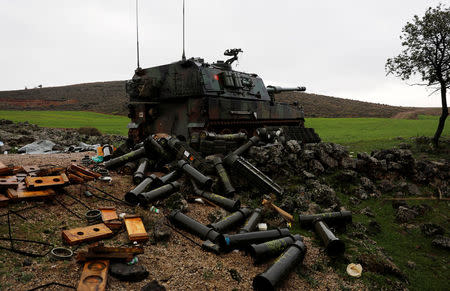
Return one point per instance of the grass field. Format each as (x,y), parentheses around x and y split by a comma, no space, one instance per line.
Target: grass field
(359,134)
(110,124)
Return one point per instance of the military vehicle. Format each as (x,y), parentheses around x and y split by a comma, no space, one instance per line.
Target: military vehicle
(190,96)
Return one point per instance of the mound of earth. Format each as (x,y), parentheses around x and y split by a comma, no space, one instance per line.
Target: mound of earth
(16,135)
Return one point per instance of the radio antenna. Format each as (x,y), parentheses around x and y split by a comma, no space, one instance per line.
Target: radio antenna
(137,33)
(183,57)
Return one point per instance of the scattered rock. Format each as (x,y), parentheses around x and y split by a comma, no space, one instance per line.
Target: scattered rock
(323,194)
(216,215)
(361,193)
(405,214)
(293,146)
(161,232)
(348,176)
(441,242)
(316,166)
(235,275)
(431,229)
(381,264)
(367,212)
(129,273)
(153,286)
(176,201)
(367,183)
(374,227)
(397,203)
(411,265)
(354,200)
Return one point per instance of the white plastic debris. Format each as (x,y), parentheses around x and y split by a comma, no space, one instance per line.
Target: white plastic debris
(262,226)
(199,200)
(122,215)
(354,270)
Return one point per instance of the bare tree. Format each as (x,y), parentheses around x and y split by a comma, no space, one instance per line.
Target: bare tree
(426,53)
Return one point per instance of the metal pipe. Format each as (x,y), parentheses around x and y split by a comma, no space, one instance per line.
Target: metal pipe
(243,240)
(129,168)
(232,136)
(252,221)
(139,175)
(132,196)
(333,246)
(231,220)
(159,193)
(229,190)
(155,150)
(205,181)
(269,279)
(243,148)
(195,227)
(225,203)
(306,221)
(263,251)
(131,156)
(172,176)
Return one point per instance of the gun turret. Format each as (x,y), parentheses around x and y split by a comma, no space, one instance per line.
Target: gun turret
(277,89)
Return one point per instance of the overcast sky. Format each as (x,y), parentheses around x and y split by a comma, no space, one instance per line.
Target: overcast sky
(337,48)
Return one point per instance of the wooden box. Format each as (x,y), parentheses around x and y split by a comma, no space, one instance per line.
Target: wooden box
(135,229)
(88,233)
(94,276)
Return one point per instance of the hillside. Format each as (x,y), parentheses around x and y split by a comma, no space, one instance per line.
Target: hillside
(110,97)
(103,97)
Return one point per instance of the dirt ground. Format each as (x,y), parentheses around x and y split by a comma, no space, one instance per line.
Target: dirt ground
(417,111)
(178,264)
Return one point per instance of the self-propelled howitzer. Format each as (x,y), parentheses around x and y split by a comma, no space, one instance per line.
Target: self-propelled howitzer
(190,96)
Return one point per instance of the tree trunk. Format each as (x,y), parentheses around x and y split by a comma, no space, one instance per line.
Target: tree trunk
(444,114)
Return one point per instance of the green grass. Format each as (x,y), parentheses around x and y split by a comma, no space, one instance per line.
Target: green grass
(431,272)
(359,134)
(110,124)
(366,134)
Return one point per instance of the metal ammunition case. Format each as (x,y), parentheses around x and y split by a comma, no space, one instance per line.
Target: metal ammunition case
(205,181)
(131,156)
(243,148)
(340,217)
(195,227)
(184,152)
(244,240)
(229,190)
(231,220)
(263,251)
(155,150)
(225,203)
(132,196)
(252,221)
(129,168)
(172,176)
(269,279)
(159,193)
(140,172)
(333,245)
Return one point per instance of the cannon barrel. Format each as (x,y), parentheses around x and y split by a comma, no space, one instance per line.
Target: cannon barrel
(279,89)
